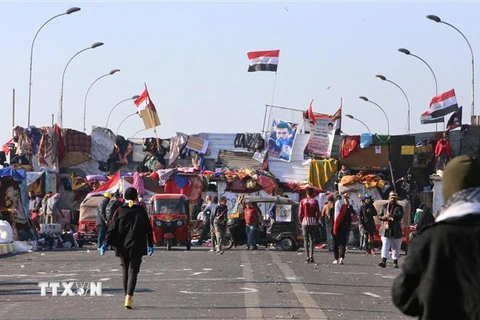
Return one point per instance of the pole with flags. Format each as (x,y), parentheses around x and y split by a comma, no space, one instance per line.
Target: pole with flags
(149,114)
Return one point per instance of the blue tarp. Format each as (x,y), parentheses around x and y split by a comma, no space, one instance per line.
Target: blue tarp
(18,175)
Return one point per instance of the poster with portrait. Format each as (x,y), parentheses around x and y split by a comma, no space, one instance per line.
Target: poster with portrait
(281,140)
(322,134)
(283,213)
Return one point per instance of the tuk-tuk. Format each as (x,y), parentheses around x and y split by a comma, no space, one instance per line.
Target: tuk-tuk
(284,230)
(170,220)
(405,222)
(87,221)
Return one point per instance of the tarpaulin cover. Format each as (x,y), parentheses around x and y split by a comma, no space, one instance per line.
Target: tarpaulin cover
(18,175)
(103,143)
(32,177)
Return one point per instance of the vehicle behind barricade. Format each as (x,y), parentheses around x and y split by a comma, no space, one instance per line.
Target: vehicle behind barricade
(87,221)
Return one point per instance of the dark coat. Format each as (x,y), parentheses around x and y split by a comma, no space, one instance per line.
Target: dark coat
(130,232)
(366,213)
(394,229)
(440,277)
(102,212)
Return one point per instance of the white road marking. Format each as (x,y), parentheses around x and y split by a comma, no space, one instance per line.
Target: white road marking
(372,294)
(113,270)
(160,273)
(325,293)
(198,273)
(245,291)
(354,273)
(303,296)
(252,301)
(104,279)
(193,279)
(207,269)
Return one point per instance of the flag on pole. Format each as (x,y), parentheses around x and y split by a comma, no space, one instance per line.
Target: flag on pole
(455,120)
(263,60)
(443,104)
(426,118)
(310,114)
(147,110)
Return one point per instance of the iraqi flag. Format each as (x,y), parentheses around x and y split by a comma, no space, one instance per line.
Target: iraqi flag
(443,104)
(263,60)
(426,118)
(111,185)
(455,120)
(310,114)
(147,110)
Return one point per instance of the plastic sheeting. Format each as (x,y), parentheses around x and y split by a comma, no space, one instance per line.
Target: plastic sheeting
(32,177)
(17,175)
(103,143)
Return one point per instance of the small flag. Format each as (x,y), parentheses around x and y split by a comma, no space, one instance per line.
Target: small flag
(147,110)
(426,118)
(263,60)
(455,120)
(443,104)
(311,116)
(6,148)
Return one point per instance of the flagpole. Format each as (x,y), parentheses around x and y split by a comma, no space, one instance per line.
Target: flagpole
(273,96)
(264,118)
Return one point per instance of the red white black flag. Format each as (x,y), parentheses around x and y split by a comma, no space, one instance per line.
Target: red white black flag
(443,104)
(263,60)
(426,118)
(147,110)
(455,120)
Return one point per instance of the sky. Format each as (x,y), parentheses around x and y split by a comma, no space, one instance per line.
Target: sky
(193,58)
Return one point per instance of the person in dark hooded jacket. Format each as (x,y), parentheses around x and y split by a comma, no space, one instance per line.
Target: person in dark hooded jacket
(131,234)
(440,277)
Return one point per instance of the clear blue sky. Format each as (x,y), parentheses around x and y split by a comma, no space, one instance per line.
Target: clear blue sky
(193,58)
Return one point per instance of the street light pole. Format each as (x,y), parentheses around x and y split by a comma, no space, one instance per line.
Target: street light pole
(383,78)
(86,95)
(438,20)
(353,118)
(93,46)
(408,53)
(129,116)
(132,98)
(69,11)
(386,117)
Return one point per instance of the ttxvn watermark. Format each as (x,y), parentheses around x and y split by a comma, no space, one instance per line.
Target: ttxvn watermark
(70,288)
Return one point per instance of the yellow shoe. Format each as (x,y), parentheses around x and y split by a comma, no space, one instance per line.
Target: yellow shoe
(128,302)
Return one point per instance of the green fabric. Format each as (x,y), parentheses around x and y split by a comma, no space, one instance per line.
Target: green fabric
(381,139)
(321,171)
(460,173)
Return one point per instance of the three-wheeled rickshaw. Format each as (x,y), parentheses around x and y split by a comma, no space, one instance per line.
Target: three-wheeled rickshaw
(87,221)
(170,220)
(283,230)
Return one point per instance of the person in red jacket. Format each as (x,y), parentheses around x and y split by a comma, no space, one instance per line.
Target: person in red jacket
(443,152)
(308,216)
(251,219)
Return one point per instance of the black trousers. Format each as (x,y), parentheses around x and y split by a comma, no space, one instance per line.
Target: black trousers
(308,233)
(339,243)
(131,268)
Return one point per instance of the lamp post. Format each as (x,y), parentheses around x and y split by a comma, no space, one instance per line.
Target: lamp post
(93,46)
(129,116)
(138,132)
(353,118)
(383,78)
(386,117)
(408,53)
(86,95)
(67,12)
(132,98)
(438,20)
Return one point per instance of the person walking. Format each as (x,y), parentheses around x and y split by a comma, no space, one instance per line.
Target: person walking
(367,223)
(213,236)
(251,220)
(131,234)
(391,229)
(53,208)
(341,228)
(309,216)
(328,214)
(219,218)
(102,221)
(440,277)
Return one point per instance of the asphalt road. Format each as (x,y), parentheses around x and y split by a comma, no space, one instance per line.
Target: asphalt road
(197,284)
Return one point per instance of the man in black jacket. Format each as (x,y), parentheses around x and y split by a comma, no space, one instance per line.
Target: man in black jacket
(367,223)
(102,220)
(391,229)
(440,278)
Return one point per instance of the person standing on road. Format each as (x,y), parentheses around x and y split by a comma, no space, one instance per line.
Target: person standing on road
(328,213)
(53,208)
(309,216)
(219,218)
(341,228)
(131,234)
(102,220)
(213,236)
(391,229)
(367,223)
(440,277)
(251,219)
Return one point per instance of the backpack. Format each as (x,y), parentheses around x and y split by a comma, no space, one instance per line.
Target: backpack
(112,206)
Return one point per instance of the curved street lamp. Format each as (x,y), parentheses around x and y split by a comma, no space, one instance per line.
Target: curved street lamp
(93,46)
(353,118)
(86,95)
(408,53)
(132,98)
(129,116)
(386,117)
(438,20)
(68,11)
(383,78)
(138,132)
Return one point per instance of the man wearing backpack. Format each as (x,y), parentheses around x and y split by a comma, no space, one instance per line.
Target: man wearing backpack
(112,206)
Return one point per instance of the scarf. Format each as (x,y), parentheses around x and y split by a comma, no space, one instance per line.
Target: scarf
(460,204)
(339,218)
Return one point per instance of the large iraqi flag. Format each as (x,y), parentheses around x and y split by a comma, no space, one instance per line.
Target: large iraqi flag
(263,60)
(443,104)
